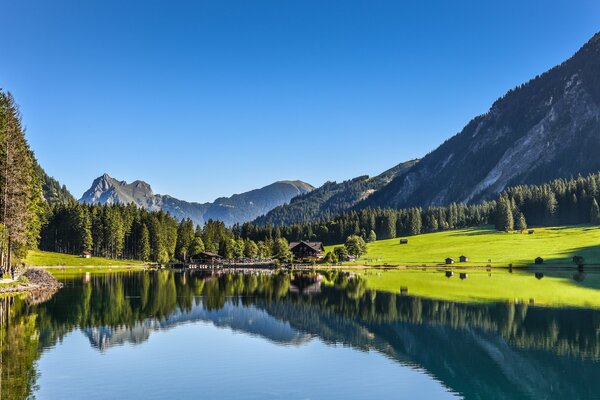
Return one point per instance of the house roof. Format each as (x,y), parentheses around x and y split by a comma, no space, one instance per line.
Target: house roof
(316,246)
(209,254)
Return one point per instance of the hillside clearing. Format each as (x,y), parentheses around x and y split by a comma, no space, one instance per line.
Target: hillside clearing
(556,245)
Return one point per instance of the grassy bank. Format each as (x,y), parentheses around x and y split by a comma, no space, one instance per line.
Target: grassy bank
(556,245)
(38,258)
(556,288)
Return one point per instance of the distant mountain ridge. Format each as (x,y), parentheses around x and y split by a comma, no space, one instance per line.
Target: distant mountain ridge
(332,198)
(544,129)
(235,209)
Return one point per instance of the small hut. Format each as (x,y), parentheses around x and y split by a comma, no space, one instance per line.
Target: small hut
(449,260)
(539,260)
(463,258)
(86,254)
(403,241)
(530,232)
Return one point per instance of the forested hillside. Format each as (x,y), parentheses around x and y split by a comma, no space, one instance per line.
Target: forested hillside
(545,129)
(52,190)
(331,199)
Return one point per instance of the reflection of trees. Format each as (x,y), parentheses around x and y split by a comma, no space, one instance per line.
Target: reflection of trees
(18,349)
(345,310)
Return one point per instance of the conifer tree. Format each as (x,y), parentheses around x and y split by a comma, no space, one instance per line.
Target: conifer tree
(595,213)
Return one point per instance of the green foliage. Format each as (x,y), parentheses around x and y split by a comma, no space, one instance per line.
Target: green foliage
(330,258)
(504,216)
(372,236)
(341,253)
(356,246)
(595,213)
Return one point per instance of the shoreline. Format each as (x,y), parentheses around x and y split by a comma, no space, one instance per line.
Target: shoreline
(37,281)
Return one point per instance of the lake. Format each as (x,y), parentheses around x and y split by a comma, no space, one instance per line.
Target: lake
(156,335)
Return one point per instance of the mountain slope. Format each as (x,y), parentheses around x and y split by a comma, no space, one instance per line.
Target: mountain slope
(235,209)
(52,190)
(332,198)
(547,128)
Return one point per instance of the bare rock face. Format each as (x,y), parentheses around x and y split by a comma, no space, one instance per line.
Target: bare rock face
(235,209)
(545,129)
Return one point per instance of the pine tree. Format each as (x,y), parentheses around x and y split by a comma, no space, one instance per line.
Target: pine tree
(520,223)
(504,217)
(595,213)
(18,187)
(372,236)
(143,249)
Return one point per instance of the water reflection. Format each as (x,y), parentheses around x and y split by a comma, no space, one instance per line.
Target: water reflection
(501,350)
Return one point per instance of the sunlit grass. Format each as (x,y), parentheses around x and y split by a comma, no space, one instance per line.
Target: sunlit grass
(49,259)
(556,245)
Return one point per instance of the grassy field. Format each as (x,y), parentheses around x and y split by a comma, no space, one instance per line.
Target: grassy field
(556,245)
(48,259)
(556,288)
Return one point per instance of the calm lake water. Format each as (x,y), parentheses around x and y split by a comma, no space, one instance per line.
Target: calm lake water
(156,335)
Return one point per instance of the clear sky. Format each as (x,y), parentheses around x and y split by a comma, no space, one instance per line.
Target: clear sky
(209,98)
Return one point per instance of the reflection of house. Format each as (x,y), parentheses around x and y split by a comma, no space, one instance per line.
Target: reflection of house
(302,249)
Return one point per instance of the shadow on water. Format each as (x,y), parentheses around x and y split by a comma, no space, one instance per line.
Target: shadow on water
(489,351)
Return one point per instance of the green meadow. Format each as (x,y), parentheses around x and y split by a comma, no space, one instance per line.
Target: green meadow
(36,258)
(556,246)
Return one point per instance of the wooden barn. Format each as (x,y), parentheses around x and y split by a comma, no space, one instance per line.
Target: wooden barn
(307,250)
(463,258)
(206,257)
(86,254)
(449,260)
(403,241)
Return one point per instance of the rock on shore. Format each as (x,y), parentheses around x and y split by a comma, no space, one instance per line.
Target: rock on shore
(37,280)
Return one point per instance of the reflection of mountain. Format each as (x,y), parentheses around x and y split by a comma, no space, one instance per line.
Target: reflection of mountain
(491,351)
(465,356)
(249,320)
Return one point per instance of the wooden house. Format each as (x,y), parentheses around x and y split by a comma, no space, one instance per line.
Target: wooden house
(463,258)
(307,250)
(403,241)
(530,232)
(86,254)
(206,257)
(449,260)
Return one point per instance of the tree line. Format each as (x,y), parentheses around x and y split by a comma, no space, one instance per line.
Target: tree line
(22,207)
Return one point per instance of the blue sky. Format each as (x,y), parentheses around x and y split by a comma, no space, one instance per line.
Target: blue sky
(209,98)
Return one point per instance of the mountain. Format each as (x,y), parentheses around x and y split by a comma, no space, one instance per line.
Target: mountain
(546,128)
(235,209)
(332,198)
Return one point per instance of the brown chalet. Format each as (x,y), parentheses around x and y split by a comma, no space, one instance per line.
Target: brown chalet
(302,250)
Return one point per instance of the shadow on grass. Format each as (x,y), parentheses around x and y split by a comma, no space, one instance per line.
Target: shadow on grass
(564,267)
